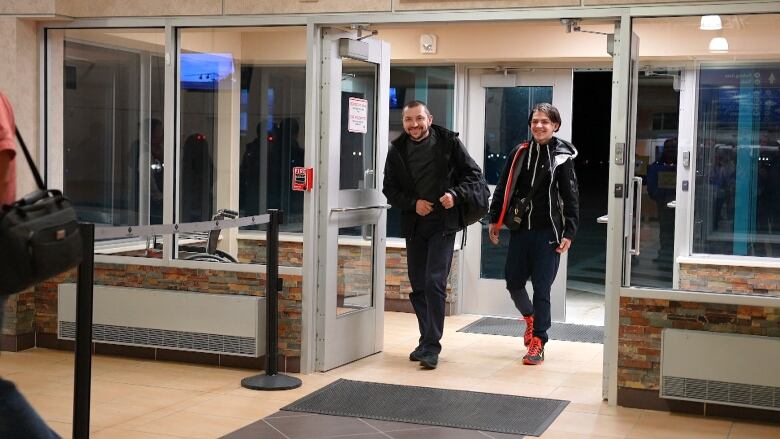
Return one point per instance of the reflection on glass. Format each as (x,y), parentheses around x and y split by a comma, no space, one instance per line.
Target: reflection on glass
(433,85)
(273,103)
(238,99)
(358,115)
(112,93)
(738,164)
(658,103)
(355,284)
(112,158)
(506,125)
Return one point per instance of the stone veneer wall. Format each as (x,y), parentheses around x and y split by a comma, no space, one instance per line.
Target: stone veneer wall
(397,287)
(639,345)
(730,279)
(182,279)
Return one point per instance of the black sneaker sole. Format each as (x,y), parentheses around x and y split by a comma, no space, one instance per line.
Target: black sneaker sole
(427,365)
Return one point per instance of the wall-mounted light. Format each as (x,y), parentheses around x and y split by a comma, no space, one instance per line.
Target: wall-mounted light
(719,45)
(710,22)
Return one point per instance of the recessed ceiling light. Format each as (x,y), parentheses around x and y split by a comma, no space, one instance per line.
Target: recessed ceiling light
(719,45)
(710,22)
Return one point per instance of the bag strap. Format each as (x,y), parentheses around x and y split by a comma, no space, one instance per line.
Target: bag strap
(33,168)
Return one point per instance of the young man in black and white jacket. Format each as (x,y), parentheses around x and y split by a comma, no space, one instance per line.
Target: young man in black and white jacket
(546,225)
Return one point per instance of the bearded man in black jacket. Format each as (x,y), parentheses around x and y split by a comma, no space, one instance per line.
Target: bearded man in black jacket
(428,174)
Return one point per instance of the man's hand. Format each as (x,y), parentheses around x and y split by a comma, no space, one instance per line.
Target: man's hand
(423,207)
(565,244)
(493,232)
(447,200)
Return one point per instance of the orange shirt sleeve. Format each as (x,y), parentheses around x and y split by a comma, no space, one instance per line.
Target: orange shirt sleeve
(8,149)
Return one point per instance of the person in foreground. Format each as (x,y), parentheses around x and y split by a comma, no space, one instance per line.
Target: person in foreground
(427,174)
(538,200)
(17,417)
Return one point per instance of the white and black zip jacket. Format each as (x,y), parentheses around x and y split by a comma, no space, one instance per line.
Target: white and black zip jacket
(558,198)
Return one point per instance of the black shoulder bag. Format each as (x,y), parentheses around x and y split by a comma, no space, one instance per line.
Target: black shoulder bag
(39,236)
(518,207)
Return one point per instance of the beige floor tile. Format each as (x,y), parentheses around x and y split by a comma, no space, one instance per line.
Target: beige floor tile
(749,430)
(117,433)
(592,424)
(235,406)
(192,425)
(654,425)
(584,380)
(581,400)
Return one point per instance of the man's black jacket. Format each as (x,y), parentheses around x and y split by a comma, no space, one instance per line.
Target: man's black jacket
(456,171)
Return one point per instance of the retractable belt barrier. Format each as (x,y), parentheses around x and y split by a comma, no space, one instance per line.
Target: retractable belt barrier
(90,233)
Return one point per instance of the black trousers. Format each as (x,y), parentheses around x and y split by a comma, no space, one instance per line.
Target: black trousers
(532,255)
(429,258)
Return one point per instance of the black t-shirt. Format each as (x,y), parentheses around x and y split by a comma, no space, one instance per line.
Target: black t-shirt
(536,165)
(421,160)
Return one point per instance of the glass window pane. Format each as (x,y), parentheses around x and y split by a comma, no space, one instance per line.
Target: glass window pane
(110,128)
(433,85)
(737,201)
(358,99)
(355,268)
(506,125)
(242,100)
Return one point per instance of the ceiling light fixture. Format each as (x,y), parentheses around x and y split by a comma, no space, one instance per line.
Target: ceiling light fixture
(719,45)
(710,22)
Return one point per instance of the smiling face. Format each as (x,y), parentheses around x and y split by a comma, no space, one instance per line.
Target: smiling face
(417,122)
(542,127)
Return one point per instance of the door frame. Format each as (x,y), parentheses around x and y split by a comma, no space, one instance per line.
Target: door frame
(478,78)
(342,338)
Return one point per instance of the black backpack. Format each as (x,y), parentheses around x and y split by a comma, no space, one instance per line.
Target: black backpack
(476,203)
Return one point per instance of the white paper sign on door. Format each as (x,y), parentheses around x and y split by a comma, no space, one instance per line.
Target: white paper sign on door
(357,117)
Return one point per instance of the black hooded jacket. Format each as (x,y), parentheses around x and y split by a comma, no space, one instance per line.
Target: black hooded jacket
(561,197)
(456,172)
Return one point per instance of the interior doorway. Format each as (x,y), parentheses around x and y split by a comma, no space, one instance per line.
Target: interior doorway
(591,112)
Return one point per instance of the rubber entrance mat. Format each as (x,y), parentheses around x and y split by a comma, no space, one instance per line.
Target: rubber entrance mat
(515,328)
(429,406)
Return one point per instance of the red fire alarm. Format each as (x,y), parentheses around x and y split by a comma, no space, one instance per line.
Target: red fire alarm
(302,178)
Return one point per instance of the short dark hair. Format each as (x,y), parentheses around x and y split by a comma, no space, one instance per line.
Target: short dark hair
(413,104)
(549,110)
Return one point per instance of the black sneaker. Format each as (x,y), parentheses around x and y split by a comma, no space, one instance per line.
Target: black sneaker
(429,360)
(416,354)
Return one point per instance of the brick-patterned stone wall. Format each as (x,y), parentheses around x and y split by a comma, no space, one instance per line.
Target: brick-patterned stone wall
(730,279)
(642,320)
(19,313)
(183,279)
(397,287)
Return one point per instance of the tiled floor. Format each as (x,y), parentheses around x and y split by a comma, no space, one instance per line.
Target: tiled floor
(146,399)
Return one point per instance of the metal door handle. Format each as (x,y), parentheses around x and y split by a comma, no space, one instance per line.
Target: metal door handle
(603,219)
(637,181)
(352,209)
(672,204)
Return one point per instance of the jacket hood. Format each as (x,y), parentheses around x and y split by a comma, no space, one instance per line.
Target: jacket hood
(441,132)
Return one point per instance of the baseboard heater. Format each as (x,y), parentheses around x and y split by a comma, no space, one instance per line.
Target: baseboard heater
(179,320)
(729,369)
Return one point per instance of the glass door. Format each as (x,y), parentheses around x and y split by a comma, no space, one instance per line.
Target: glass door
(499,104)
(352,211)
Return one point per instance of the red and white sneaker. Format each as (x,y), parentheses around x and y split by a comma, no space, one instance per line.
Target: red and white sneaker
(529,330)
(535,355)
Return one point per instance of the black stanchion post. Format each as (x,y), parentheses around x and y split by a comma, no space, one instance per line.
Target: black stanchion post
(83,369)
(272,380)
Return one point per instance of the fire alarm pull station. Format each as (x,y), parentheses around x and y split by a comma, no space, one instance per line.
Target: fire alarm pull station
(303,178)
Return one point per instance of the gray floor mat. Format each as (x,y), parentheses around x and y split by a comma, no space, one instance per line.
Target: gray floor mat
(515,328)
(430,406)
